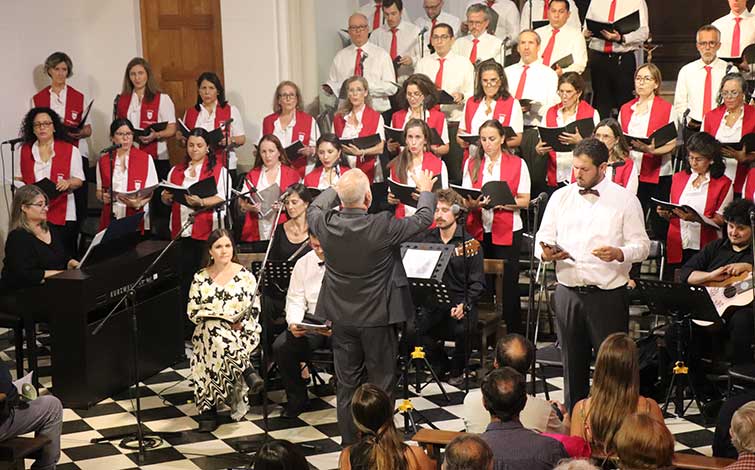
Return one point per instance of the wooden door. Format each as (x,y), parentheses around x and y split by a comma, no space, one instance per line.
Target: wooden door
(181,39)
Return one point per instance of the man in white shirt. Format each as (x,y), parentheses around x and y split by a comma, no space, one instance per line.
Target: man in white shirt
(434,16)
(593,230)
(540,10)
(561,40)
(507,25)
(737,29)
(399,38)
(479,45)
(373,11)
(293,346)
(366,59)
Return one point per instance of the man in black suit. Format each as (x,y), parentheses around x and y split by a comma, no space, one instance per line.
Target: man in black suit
(364,292)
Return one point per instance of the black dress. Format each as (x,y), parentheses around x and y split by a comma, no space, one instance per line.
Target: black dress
(27,258)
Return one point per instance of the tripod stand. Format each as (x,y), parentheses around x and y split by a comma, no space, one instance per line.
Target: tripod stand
(680,379)
(406,408)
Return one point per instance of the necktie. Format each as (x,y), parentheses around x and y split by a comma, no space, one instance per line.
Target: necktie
(434,21)
(549,48)
(735,38)
(546,4)
(439,75)
(358,64)
(708,92)
(585,192)
(608,47)
(522,80)
(490,3)
(473,54)
(376,16)
(394,44)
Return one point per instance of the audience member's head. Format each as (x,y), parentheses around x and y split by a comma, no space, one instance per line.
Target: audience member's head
(468,452)
(372,411)
(504,394)
(515,351)
(737,217)
(575,464)
(643,443)
(743,429)
(279,455)
(354,189)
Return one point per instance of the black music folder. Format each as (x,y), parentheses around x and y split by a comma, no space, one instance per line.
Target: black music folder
(445,98)
(157,127)
(362,143)
(48,187)
(203,188)
(625,25)
(748,142)
(670,206)
(213,137)
(292,151)
(499,192)
(403,192)
(563,62)
(82,123)
(539,23)
(661,136)
(550,135)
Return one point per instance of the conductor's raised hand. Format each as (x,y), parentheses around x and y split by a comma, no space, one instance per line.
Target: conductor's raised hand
(424,180)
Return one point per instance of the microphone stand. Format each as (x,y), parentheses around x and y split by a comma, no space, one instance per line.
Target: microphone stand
(467,309)
(227,166)
(111,155)
(12,168)
(533,280)
(752,247)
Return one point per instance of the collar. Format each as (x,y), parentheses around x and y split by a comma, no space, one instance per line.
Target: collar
(531,65)
(717,62)
(727,244)
(358,114)
(741,115)
(600,187)
(481,37)
(62,93)
(693,177)
(650,108)
(35,152)
(504,426)
(353,210)
(214,110)
(745,14)
(364,47)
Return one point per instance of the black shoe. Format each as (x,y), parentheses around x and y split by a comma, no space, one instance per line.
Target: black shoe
(208,421)
(253,380)
(291,412)
(456,380)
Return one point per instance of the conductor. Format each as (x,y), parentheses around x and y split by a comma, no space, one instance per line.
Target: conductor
(365,293)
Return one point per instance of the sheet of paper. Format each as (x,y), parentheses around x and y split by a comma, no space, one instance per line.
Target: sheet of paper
(420,264)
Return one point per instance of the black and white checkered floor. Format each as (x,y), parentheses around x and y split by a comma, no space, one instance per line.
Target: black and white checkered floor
(167,406)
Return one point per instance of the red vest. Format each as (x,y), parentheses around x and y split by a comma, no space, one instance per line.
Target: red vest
(74,105)
(429,162)
(222,114)
(138,169)
(660,112)
(251,230)
(370,121)
(202,226)
(302,131)
(435,119)
(622,173)
(312,180)
(501,112)
(584,111)
(713,122)
(148,116)
(61,166)
(717,190)
(749,187)
(503,221)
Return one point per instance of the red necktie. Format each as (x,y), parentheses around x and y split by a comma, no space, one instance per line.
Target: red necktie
(708,92)
(735,38)
(608,47)
(376,16)
(522,80)
(490,3)
(473,54)
(545,9)
(358,64)
(394,44)
(439,75)
(549,48)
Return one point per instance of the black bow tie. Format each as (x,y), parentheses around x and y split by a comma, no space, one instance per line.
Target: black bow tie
(585,192)
(321,263)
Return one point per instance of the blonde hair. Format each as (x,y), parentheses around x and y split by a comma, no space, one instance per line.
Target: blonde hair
(643,443)
(347,107)
(655,72)
(743,428)
(277,109)
(25,196)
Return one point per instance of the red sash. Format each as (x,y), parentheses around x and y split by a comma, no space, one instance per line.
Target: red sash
(312,180)
(148,116)
(138,169)
(222,114)
(370,121)
(429,162)
(622,173)
(660,112)
(202,226)
(74,105)
(501,113)
(61,165)
(748,191)
(584,111)
(251,230)
(435,119)
(713,121)
(717,190)
(302,131)
(503,221)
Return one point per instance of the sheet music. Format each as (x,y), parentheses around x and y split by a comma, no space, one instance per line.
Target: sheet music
(420,264)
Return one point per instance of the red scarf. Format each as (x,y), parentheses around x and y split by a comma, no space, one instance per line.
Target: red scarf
(148,116)
(717,190)
(302,131)
(222,114)
(312,180)
(660,112)
(584,111)
(74,106)
(61,166)
(138,169)
(713,121)
(429,162)
(503,221)
(202,226)
(370,121)
(251,230)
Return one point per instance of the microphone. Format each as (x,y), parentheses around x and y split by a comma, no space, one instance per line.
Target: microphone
(457,209)
(111,148)
(13,142)
(285,194)
(541,199)
(115,105)
(617,164)
(225,123)
(422,31)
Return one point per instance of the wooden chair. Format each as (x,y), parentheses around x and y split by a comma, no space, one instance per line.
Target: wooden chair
(14,451)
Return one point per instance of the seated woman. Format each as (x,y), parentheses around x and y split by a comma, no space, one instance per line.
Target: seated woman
(34,249)
(380,446)
(621,168)
(615,394)
(644,442)
(331,163)
(225,335)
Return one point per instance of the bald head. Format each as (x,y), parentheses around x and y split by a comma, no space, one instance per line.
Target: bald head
(514,351)
(354,189)
(468,452)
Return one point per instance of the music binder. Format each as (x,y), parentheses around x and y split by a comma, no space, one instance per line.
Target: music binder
(49,188)
(550,135)
(625,25)
(661,136)
(445,98)
(563,62)
(203,188)
(499,192)
(403,192)
(212,138)
(292,151)
(748,142)
(670,206)
(157,127)
(82,122)
(362,143)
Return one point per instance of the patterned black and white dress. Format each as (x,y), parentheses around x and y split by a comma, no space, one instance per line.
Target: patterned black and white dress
(220,353)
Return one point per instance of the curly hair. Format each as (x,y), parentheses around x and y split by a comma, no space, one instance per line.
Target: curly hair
(27,125)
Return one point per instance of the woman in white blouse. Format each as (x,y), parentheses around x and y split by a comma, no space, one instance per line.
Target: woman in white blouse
(331,164)
(418,99)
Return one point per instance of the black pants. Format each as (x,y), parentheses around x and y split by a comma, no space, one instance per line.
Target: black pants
(661,190)
(273,317)
(434,327)
(536,164)
(612,80)
(454,156)
(289,351)
(510,255)
(584,320)
(362,355)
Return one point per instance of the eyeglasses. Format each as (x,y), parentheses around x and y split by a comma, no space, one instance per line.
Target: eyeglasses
(475,23)
(566,92)
(708,43)
(491,81)
(356,29)
(40,125)
(414,94)
(356,91)
(38,205)
(124,134)
(692,159)
(440,37)
(641,79)
(731,94)
(287,96)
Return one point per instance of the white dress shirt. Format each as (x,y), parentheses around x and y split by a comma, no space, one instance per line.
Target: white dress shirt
(540,86)
(42,170)
(443,134)
(725,24)
(569,40)
(287,137)
(407,44)
(120,184)
(443,17)
(730,135)
(265,224)
(495,175)
(304,287)
(378,71)
(564,159)
(206,120)
(489,47)
(58,104)
(537,14)
(166,112)
(697,198)
(351,132)
(690,87)
(638,127)
(598,11)
(481,115)
(368,10)
(508,19)
(458,77)
(188,181)
(580,226)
